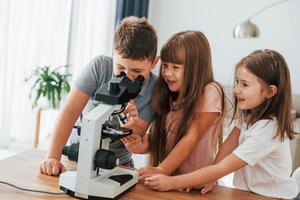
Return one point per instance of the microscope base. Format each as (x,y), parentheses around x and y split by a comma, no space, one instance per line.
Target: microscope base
(72,193)
(110,184)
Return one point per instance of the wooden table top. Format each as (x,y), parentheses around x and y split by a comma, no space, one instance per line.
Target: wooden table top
(23,171)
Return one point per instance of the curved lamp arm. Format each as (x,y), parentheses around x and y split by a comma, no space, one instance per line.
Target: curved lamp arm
(267,7)
(247,29)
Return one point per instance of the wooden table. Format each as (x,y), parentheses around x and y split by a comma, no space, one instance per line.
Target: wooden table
(23,170)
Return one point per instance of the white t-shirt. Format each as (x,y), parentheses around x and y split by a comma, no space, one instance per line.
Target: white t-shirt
(269,162)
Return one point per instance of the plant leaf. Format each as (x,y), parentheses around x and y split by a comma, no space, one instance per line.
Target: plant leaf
(51,84)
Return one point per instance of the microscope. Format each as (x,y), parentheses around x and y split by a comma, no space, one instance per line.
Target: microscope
(97,175)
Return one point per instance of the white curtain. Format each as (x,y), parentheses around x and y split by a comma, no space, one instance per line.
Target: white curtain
(92,31)
(48,32)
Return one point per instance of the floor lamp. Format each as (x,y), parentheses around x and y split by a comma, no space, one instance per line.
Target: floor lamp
(248,29)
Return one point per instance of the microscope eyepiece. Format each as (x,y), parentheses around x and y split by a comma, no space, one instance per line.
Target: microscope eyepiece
(120,89)
(140,78)
(113,87)
(121,74)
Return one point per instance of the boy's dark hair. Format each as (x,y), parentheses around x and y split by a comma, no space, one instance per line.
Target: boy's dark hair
(135,39)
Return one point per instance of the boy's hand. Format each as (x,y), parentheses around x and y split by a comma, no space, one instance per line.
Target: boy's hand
(160,182)
(131,112)
(135,123)
(146,172)
(135,144)
(52,167)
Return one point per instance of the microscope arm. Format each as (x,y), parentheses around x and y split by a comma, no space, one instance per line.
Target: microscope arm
(90,141)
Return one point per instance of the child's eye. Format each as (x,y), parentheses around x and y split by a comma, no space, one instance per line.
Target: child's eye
(137,71)
(245,85)
(164,65)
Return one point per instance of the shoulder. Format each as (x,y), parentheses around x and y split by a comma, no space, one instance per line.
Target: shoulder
(211,98)
(102,61)
(212,93)
(101,66)
(102,58)
(152,78)
(265,124)
(265,128)
(213,88)
(149,84)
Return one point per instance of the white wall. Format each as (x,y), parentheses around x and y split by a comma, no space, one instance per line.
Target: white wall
(279,27)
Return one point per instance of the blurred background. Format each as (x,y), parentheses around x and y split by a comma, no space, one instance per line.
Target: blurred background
(35,33)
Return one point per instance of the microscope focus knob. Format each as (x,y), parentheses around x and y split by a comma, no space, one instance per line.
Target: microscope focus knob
(105,159)
(71,151)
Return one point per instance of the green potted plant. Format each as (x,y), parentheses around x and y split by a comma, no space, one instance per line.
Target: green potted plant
(49,84)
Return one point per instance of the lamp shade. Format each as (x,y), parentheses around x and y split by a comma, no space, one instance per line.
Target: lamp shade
(246,30)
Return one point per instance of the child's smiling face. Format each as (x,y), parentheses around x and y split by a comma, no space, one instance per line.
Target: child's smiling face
(249,90)
(173,75)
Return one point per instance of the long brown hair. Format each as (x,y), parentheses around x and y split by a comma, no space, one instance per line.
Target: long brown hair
(197,74)
(270,67)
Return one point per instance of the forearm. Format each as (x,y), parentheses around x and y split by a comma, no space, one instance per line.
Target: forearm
(229,145)
(199,177)
(176,157)
(210,173)
(187,144)
(224,151)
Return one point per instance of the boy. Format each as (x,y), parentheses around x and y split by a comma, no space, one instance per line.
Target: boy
(135,46)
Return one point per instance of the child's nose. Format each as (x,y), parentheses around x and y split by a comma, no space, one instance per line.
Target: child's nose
(236,90)
(168,72)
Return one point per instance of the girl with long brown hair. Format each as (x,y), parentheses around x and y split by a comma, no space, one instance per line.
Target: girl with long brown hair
(257,149)
(188,105)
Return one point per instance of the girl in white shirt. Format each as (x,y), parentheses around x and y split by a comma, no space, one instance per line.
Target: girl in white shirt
(257,149)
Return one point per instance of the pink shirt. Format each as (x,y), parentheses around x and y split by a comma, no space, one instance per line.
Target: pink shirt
(205,151)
